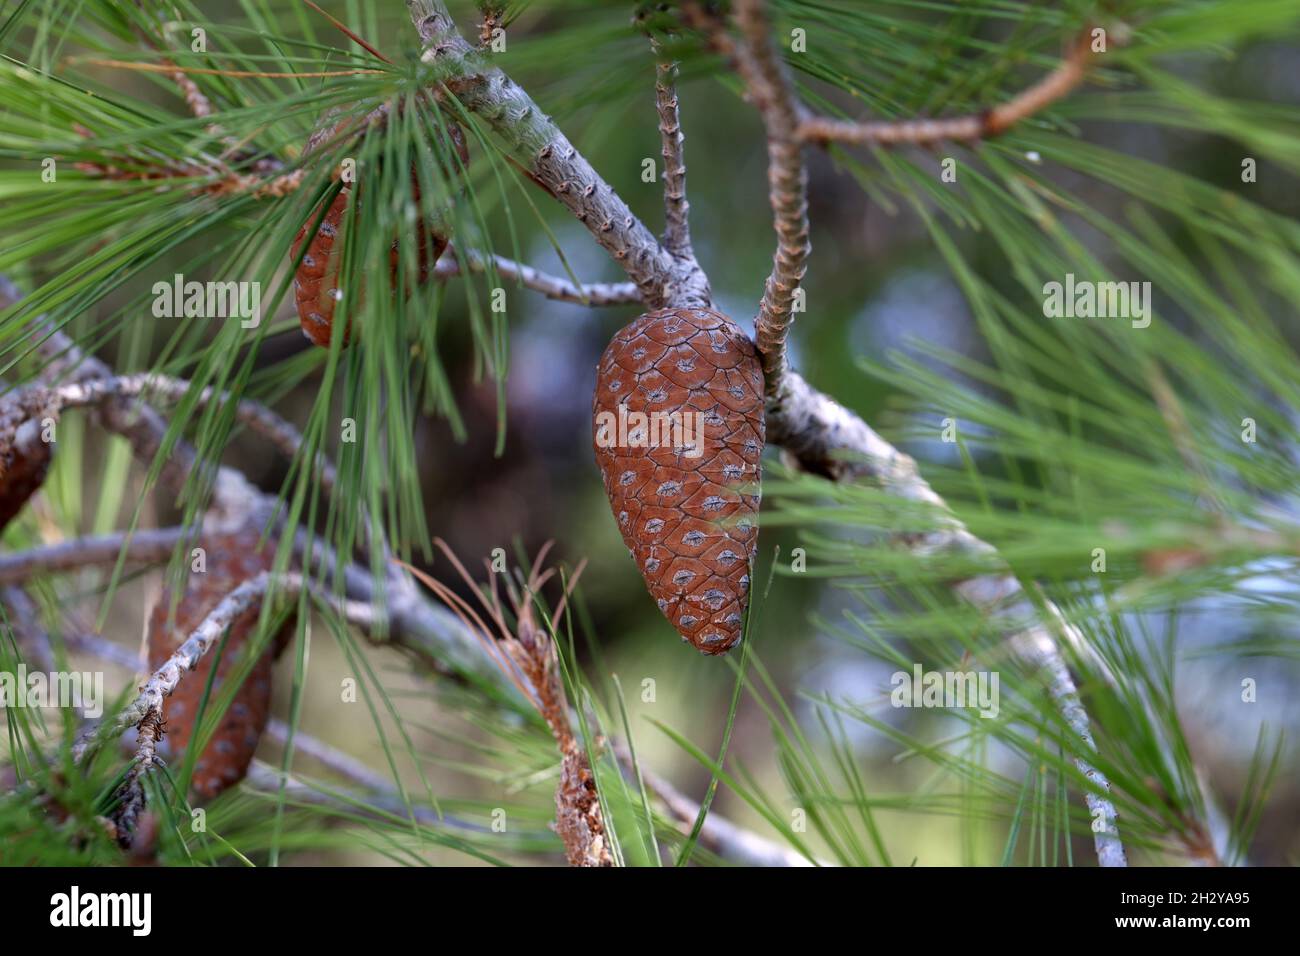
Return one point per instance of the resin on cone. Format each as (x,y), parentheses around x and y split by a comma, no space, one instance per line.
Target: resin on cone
(232,559)
(315,284)
(678,432)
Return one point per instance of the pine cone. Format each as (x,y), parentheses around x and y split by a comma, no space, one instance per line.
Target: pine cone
(24,459)
(675,478)
(315,284)
(231,560)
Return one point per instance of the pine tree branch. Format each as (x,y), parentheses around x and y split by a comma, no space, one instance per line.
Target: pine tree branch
(677,210)
(283,435)
(454,261)
(146,712)
(217,179)
(38,400)
(264,778)
(140,425)
(677,227)
(153,546)
(379,791)
(787,178)
(1068,75)
(548,155)
(131,798)
(812,426)
(223,179)
(246,596)
(844,447)
(167,677)
(731,842)
(1000,596)
(402,616)
(96,645)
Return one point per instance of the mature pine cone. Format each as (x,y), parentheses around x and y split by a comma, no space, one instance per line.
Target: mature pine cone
(232,559)
(686,496)
(315,284)
(24,460)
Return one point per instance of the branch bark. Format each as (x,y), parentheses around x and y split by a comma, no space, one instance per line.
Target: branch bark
(152,546)
(1068,75)
(139,424)
(454,262)
(787,179)
(677,227)
(485,90)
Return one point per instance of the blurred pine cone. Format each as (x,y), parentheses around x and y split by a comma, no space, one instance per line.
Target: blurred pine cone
(315,284)
(231,559)
(24,458)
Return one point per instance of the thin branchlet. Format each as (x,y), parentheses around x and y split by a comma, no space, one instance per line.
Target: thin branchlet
(677,228)
(787,179)
(1063,80)
(455,261)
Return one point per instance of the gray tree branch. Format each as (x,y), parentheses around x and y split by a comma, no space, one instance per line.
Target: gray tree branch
(454,261)
(548,155)
(151,546)
(1069,74)
(677,227)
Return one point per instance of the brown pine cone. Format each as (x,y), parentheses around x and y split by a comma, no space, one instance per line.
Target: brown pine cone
(315,284)
(232,559)
(24,459)
(675,479)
